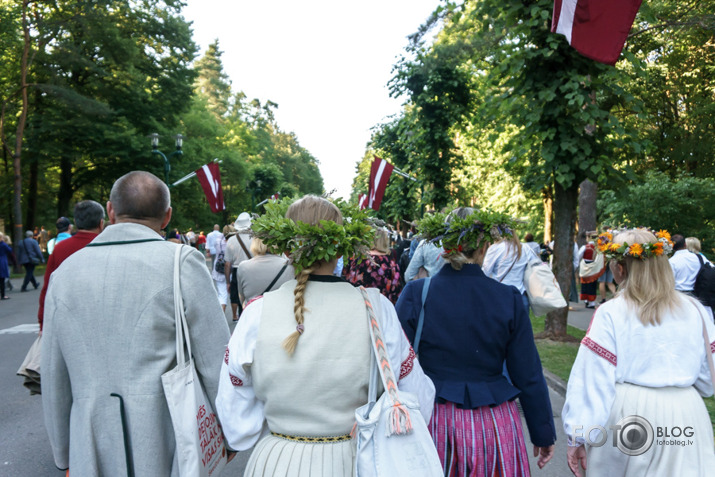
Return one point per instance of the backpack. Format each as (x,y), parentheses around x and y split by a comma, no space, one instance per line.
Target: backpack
(705,283)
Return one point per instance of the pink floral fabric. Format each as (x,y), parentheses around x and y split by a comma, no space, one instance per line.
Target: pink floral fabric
(376,271)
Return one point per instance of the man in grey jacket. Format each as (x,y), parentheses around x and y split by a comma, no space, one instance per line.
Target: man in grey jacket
(109,335)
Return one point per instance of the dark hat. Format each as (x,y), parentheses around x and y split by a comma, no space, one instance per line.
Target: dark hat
(63,223)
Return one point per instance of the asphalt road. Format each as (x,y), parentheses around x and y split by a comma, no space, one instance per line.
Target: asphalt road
(24,446)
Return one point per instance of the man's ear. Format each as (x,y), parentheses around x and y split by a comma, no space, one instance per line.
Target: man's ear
(110,213)
(166,220)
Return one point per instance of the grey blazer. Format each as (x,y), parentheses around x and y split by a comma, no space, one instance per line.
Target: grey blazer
(109,328)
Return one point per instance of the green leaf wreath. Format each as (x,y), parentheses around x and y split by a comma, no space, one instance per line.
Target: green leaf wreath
(307,244)
(467,234)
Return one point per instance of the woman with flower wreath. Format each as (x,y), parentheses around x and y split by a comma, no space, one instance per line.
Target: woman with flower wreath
(298,363)
(471,325)
(642,366)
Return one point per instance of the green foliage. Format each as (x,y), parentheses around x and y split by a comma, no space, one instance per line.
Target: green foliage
(684,205)
(307,244)
(103,76)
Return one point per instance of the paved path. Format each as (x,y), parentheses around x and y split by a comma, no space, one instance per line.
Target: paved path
(24,446)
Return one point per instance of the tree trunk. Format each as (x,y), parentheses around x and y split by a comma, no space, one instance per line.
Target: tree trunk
(565,201)
(586,210)
(32,195)
(547,197)
(64,195)
(21,121)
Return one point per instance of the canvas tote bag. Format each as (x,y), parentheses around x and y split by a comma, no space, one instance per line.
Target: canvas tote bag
(543,289)
(30,367)
(200,448)
(392,437)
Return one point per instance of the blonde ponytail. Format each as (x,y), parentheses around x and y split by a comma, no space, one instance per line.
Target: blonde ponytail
(291,341)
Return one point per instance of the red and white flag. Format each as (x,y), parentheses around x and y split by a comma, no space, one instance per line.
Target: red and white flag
(597,29)
(210,179)
(379,175)
(362,201)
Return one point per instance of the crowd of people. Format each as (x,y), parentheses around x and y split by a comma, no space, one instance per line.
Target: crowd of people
(454,316)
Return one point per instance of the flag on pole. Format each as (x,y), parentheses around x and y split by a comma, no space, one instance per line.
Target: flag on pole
(379,175)
(597,29)
(362,201)
(210,179)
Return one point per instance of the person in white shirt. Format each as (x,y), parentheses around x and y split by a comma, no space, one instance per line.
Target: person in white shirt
(506,262)
(685,265)
(642,366)
(211,241)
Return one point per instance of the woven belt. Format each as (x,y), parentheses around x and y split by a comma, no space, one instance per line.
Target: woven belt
(342,438)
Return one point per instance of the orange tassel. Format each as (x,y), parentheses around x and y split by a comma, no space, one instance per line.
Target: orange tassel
(400,421)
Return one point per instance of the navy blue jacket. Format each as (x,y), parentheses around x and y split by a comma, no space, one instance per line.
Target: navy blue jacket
(472,325)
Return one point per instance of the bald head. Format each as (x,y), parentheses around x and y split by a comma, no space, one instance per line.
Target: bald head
(139,197)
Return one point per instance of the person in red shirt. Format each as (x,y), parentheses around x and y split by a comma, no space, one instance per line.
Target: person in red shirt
(89,220)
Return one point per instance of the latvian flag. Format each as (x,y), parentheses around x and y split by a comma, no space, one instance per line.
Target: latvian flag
(379,175)
(210,179)
(597,29)
(362,201)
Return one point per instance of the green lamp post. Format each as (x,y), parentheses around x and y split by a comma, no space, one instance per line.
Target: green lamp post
(179,142)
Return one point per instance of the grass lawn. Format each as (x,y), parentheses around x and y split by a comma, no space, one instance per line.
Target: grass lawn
(559,357)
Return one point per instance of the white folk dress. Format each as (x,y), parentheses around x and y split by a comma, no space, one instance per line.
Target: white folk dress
(263,391)
(658,373)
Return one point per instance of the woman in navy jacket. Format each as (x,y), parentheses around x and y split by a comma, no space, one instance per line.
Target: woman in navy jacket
(472,325)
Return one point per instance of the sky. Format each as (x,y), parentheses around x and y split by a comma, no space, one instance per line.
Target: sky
(325,63)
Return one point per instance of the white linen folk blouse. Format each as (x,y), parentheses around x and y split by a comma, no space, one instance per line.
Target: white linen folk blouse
(618,348)
(316,390)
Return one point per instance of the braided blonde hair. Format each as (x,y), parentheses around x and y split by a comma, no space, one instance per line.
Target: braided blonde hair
(310,209)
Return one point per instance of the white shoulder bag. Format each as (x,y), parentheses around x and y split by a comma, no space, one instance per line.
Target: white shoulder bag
(392,437)
(200,449)
(542,288)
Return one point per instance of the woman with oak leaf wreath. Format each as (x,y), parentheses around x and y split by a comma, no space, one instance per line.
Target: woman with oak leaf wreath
(298,363)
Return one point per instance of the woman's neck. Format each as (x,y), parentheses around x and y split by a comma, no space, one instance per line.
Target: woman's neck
(326,268)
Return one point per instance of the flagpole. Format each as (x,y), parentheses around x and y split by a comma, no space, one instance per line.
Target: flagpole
(399,172)
(191,174)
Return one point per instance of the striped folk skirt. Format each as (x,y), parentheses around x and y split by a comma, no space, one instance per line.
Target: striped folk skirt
(487,441)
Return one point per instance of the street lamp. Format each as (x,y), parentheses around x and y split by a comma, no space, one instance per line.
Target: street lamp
(178,141)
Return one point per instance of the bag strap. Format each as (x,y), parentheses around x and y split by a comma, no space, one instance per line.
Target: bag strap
(708,353)
(421,320)
(243,246)
(182,329)
(516,259)
(399,422)
(275,279)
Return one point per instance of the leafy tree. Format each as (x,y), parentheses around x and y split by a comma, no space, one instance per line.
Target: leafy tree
(684,204)
(495,73)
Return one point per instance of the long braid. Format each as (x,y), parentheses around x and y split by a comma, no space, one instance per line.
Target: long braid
(291,341)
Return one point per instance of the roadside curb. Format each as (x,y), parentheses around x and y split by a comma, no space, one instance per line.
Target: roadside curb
(555,382)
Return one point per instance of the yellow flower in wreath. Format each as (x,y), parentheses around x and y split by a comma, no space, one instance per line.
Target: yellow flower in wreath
(635,250)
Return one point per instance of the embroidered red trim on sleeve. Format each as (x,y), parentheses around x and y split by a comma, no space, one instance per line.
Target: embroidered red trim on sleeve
(235,381)
(599,350)
(407,364)
(225,356)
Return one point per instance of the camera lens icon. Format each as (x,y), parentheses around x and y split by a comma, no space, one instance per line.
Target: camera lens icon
(635,435)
